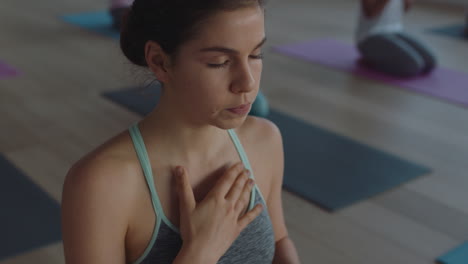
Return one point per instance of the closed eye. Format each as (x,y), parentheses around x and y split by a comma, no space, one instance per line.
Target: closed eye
(216,66)
(227,62)
(257,57)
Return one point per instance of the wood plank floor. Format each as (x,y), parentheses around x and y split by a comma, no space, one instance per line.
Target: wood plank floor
(53,114)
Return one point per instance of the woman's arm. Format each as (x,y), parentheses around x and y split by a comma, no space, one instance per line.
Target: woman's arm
(94,221)
(285,251)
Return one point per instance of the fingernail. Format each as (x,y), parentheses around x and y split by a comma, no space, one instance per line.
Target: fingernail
(247,172)
(178,174)
(179,171)
(251,182)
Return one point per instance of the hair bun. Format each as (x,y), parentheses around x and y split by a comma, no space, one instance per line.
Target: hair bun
(132,42)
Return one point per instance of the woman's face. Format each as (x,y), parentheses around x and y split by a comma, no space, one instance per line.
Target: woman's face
(220,68)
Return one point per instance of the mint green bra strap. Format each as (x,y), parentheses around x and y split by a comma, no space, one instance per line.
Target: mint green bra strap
(145,165)
(240,149)
(245,161)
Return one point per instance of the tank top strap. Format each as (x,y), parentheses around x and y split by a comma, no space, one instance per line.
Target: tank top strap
(240,149)
(142,154)
(245,161)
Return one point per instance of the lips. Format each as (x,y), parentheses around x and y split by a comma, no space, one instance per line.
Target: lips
(241,110)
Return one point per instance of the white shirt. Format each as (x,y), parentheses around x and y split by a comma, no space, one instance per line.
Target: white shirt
(120,3)
(389,21)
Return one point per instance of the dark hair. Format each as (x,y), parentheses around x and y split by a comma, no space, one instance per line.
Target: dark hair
(170,23)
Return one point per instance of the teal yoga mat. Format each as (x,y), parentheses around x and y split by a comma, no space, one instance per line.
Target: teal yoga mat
(99,22)
(327,169)
(30,218)
(458,255)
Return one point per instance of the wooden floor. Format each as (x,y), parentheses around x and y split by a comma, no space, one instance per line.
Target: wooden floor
(53,114)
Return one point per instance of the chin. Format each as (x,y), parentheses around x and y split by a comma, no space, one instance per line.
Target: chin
(230,123)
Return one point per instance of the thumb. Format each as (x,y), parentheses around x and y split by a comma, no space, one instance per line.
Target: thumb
(184,190)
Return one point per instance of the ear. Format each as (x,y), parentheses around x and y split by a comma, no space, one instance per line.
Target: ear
(157,60)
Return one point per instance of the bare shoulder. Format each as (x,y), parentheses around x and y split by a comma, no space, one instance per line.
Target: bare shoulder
(97,202)
(260,131)
(108,167)
(262,140)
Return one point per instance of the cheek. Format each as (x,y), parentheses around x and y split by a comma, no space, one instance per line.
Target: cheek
(257,68)
(205,89)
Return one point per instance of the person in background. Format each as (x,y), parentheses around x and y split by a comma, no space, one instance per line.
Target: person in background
(118,9)
(383,44)
(466,22)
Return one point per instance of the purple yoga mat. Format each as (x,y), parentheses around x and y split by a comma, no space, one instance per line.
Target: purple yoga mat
(7,71)
(442,83)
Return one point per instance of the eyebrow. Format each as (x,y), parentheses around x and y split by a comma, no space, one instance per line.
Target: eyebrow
(228,50)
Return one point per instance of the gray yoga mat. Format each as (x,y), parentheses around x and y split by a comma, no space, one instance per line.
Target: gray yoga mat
(30,218)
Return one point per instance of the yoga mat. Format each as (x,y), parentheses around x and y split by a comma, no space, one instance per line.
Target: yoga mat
(7,71)
(30,217)
(99,22)
(455,31)
(327,169)
(458,255)
(442,83)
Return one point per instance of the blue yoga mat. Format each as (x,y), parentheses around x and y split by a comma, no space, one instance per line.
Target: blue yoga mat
(458,255)
(329,170)
(454,31)
(98,22)
(30,218)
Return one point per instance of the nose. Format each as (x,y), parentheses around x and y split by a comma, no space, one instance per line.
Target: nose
(244,80)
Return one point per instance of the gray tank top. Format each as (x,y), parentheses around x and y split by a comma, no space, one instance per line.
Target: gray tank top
(255,244)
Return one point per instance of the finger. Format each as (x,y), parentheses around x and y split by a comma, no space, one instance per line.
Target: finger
(184,190)
(237,187)
(225,182)
(250,216)
(244,198)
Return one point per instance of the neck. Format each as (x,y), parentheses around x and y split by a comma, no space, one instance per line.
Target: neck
(186,142)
